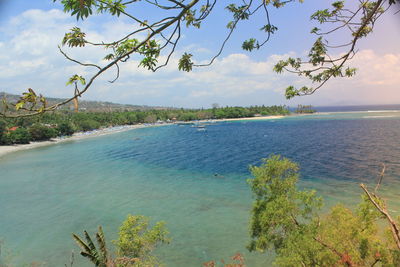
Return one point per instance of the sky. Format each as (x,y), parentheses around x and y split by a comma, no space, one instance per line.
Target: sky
(31,30)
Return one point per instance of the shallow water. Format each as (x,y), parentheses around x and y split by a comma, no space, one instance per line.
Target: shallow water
(194,180)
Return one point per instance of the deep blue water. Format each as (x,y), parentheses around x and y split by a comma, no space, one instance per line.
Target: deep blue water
(194,180)
(319,143)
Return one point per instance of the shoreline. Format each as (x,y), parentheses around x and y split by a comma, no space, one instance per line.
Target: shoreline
(254,118)
(5,150)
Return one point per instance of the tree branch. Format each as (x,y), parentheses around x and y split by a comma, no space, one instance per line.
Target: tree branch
(112,63)
(78,62)
(393,226)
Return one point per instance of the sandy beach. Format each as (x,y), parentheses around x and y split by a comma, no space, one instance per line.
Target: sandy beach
(254,118)
(4,150)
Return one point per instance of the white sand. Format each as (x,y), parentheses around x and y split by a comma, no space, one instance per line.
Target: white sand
(254,118)
(77,136)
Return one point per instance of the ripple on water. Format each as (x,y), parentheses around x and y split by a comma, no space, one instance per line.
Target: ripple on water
(195,181)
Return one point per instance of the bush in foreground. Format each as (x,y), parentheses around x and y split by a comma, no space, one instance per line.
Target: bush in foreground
(288,221)
(135,244)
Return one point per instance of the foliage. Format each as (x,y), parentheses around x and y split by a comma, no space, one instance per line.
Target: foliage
(185,63)
(19,136)
(137,240)
(75,79)
(88,125)
(320,65)
(187,116)
(3,128)
(237,261)
(286,220)
(40,132)
(29,100)
(279,205)
(98,256)
(150,119)
(134,245)
(65,129)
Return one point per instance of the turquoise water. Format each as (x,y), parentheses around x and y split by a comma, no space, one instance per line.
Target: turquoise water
(169,173)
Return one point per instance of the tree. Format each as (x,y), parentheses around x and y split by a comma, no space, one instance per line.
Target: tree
(287,220)
(88,125)
(134,245)
(3,128)
(65,128)
(163,36)
(237,261)
(18,136)
(150,119)
(137,241)
(98,256)
(41,132)
(187,116)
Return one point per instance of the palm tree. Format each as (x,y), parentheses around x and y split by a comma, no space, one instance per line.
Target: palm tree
(98,256)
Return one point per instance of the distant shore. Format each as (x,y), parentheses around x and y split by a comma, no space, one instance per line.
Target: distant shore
(4,150)
(254,118)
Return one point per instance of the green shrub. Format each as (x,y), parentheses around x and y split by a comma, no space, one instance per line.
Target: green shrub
(6,139)
(19,136)
(187,116)
(88,125)
(150,119)
(3,129)
(137,240)
(41,132)
(65,128)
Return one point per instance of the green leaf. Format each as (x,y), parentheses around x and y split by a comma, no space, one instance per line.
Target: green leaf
(250,44)
(19,105)
(75,38)
(185,62)
(269,28)
(76,78)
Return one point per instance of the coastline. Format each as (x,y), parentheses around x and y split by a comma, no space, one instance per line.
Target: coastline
(5,150)
(254,118)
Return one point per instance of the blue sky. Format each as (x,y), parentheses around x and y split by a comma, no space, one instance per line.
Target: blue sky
(31,30)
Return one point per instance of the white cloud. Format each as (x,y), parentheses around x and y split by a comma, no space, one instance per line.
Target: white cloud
(28,50)
(196,49)
(41,18)
(378,70)
(377,80)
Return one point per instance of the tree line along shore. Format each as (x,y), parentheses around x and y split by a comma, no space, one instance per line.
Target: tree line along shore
(65,123)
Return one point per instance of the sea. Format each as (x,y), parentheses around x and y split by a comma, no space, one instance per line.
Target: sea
(194,179)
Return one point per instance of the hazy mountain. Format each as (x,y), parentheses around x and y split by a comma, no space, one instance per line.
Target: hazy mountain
(85,105)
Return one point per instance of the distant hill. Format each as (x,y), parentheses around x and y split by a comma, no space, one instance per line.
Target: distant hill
(84,105)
